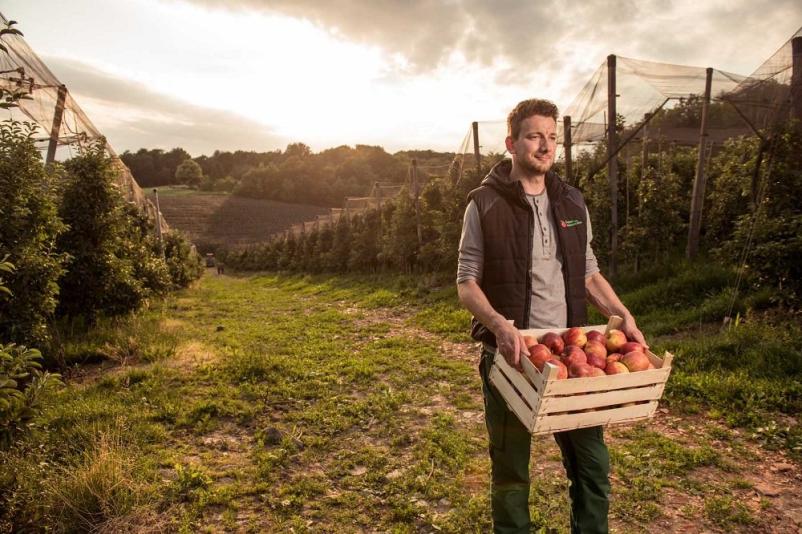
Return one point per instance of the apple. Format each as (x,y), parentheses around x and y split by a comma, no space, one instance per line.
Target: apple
(616,368)
(629,346)
(538,355)
(554,342)
(562,370)
(651,366)
(595,335)
(597,354)
(635,361)
(579,370)
(595,371)
(530,341)
(615,340)
(575,336)
(573,355)
(614,357)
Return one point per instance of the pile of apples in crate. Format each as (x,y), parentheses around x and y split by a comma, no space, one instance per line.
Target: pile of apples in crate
(580,354)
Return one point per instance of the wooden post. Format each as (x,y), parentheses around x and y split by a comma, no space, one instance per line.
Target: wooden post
(659,151)
(158,219)
(796,78)
(54,130)
(567,148)
(417,202)
(476,152)
(626,189)
(612,164)
(697,200)
(644,150)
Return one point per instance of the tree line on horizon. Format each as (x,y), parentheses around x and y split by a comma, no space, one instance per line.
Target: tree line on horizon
(295,175)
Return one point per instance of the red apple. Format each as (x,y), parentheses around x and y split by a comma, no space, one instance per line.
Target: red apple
(538,355)
(595,371)
(597,354)
(562,370)
(614,357)
(635,361)
(629,346)
(616,368)
(651,366)
(595,335)
(575,336)
(530,341)
(554,342)
(579,370)
(573,355)
(615,340)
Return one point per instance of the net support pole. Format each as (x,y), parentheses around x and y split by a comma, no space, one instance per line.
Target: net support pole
(697,200)
(796,78)
(567,148)
(416,200)
(476,153)
(159,222)
(54,130)
(612,163)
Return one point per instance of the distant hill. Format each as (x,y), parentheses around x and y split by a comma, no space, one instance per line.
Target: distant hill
(211,220)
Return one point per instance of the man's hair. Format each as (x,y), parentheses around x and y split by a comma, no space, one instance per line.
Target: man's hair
(526,109)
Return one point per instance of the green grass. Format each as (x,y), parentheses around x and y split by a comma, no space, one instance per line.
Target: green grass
(273,402)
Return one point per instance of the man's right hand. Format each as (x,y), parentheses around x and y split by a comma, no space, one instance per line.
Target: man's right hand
(510,343)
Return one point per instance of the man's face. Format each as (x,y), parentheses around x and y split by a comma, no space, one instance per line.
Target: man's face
(533,151)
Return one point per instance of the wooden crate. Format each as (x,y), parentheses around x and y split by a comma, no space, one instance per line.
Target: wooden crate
(545,404)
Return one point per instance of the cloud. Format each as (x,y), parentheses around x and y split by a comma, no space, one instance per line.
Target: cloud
(132,116)
(533,36)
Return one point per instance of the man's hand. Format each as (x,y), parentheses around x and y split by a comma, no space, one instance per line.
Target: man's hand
(632,331)
(601,294)
(511,344)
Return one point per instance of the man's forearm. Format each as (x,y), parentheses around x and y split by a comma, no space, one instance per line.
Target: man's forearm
(602,295)
(508,339)
(473,298)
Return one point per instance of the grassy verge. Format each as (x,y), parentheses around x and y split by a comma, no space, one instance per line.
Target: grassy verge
(270,403)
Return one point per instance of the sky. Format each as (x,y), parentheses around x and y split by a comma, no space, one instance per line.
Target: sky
(259,74)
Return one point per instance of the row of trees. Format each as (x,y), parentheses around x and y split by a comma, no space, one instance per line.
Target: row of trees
(749,205)
(70,248)
(77,247)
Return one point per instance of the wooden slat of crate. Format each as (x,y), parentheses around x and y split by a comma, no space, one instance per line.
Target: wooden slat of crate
(604,383)
(556,423)
(513,399)
(517,379)
(599,400)
(537,378)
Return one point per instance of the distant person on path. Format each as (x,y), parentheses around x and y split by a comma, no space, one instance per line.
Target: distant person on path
(525,255)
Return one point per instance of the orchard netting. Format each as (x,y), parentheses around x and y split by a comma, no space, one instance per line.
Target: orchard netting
(24,73)
(666,96)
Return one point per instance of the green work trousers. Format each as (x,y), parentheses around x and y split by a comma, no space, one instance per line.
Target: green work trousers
(584,454)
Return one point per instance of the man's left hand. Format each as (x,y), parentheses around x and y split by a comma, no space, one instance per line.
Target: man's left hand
(630,328)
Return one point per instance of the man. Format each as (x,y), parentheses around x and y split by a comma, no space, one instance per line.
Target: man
(525,256)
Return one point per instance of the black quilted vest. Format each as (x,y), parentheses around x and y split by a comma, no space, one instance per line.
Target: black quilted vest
(508,227)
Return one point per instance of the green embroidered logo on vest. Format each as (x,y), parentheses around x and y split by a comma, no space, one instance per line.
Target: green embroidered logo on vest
(570,222)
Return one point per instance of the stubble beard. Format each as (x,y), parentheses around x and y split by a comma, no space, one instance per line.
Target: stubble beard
(532,166)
